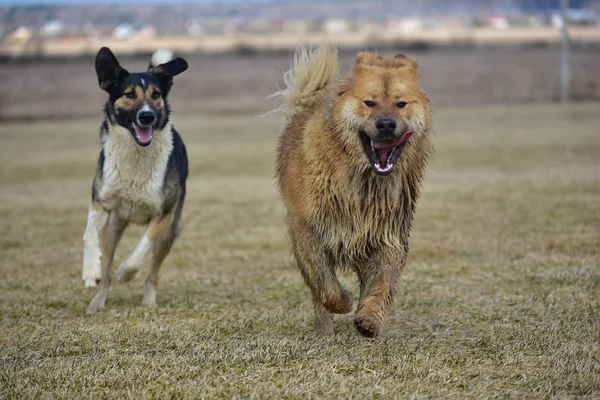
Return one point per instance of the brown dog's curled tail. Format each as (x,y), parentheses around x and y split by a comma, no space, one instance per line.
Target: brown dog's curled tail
(307,82)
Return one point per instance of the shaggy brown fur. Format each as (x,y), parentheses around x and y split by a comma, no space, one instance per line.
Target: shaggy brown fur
(345,209)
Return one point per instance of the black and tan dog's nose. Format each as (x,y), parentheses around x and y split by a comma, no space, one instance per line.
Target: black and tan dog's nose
(146,117)
(386,126)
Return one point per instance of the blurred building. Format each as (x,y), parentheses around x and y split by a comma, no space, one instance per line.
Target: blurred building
(20,34)
(129,31)
(333,26)
(52,29)
(404,25)
(578,17)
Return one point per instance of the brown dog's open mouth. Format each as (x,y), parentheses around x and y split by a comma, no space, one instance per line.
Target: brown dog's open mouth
(383,154)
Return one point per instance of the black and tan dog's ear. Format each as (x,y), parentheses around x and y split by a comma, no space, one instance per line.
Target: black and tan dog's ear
(172,68)
(169,69)
(108,69)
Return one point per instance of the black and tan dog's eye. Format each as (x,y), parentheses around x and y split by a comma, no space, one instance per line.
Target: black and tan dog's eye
(130,95)
(401,104)
(155,94)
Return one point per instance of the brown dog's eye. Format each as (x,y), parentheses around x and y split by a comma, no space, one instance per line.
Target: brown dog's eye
(155,95)
(369,103)
(401,104)
(130,95)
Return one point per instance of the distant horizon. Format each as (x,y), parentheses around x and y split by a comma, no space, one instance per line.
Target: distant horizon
(10,3)
(525,4)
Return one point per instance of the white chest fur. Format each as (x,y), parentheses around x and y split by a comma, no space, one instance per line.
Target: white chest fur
(133,176)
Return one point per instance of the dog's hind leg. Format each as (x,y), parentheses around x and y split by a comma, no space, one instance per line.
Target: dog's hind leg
(162,247)
(92,254)
(109,239)
(318,270)
(157,237)
(135,261)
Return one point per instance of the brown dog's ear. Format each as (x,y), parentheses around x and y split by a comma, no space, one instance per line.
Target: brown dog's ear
(368,58)
(408,61)
(108,69)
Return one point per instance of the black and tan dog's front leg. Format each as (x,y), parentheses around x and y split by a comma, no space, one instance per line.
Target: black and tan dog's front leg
(378,280)
(92,253)
(109,239)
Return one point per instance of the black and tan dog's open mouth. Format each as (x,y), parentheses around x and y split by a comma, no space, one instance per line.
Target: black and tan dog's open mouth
(142,134)
(383,154)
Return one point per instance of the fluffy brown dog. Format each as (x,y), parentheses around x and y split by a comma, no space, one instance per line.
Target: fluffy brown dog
(350,162)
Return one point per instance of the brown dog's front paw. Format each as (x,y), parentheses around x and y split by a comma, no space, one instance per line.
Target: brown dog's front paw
(367,325)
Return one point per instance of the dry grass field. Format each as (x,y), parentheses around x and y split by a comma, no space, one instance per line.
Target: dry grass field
(500,297)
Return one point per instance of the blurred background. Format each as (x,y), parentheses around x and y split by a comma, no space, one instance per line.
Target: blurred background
(500,296)
(471,52)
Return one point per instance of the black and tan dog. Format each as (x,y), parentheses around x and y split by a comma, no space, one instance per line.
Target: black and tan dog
(140,176)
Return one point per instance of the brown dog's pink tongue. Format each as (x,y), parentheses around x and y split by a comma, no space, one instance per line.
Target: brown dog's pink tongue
(387,144)
(383,155)
(384,147)
(143,133)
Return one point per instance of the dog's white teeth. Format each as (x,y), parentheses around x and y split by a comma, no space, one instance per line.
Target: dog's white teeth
(384,169)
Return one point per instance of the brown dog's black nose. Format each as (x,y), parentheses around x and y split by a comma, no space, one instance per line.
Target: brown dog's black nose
(386,126)
(146,117)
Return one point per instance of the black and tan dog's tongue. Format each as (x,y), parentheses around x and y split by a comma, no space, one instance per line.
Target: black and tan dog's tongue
(143,133)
